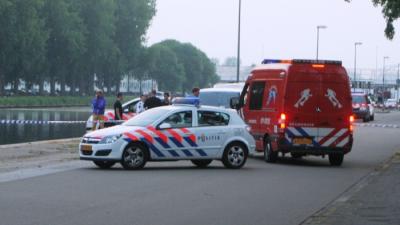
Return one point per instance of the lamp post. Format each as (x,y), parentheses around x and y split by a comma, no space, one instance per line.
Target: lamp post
(355,62)
(383,80)
(319,27)
(238,47)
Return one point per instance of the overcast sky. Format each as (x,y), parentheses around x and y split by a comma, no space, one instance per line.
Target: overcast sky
(278,29)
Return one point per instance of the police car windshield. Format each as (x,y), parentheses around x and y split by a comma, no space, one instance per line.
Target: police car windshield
(146,118)
(217,98)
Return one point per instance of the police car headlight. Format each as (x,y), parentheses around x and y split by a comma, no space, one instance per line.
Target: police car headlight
(110,139)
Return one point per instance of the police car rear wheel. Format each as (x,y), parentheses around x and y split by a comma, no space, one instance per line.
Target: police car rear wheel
(235,156)
(202,163)
(104,164)
(134,157)
(336,159)
(269,155)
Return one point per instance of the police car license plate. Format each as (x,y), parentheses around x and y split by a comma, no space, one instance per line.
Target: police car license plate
(86,148)
(302,141)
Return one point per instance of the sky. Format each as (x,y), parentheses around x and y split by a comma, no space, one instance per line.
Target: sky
(284,29)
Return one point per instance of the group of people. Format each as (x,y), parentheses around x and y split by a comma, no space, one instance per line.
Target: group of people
(146,102)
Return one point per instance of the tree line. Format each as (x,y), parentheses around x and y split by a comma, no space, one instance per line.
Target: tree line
(71,42)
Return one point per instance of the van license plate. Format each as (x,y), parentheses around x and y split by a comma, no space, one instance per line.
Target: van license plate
(302,141)
(86,148)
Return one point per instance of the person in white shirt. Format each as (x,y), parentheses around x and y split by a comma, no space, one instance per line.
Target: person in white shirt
(140,105)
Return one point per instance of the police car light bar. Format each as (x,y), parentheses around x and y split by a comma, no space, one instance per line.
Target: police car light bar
(302,61)
(186,101)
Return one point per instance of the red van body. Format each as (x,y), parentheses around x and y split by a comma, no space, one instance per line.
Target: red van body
(302,107)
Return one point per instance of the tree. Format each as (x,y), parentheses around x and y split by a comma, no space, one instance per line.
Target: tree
(22,41)
(391,12)
(198,68)
(66,43)
(165,68)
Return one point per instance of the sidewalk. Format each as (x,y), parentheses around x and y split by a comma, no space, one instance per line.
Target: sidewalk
(37,154)
(373,201)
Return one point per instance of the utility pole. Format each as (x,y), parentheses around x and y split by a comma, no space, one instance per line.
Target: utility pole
(238,45)
(319,27)
(355,62)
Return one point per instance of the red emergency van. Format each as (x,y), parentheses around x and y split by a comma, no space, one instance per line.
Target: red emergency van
(301,107)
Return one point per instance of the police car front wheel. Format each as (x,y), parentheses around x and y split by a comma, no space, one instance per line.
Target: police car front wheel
(134,157)
(235,155)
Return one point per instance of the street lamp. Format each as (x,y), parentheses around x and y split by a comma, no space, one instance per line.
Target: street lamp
(355,61)
(319,27)
(238,47)
(383,80)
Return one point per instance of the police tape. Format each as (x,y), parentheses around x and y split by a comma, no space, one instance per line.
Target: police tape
(46,122)
(377,125)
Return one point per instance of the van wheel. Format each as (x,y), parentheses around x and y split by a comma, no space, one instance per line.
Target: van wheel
(336,159)
(372,117)
(202,163)
(235,155)
(269,155)
(134,157)
(104,164)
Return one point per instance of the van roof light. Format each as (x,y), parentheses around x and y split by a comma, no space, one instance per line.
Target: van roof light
(315,62)
(271,61)
(302,61)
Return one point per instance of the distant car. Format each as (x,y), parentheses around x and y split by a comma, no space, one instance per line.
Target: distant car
(391,103)
(362,107)
(168,133)
(219,97)
(128,109)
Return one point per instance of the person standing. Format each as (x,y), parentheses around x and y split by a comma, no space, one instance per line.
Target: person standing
(140,105)
(166,100)
(118,107)
(98,105)
(152,101)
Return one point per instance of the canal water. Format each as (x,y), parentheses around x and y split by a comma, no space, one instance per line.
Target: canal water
(17,133)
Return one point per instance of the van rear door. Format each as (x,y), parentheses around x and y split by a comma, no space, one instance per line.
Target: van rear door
(302,106)
(336,108)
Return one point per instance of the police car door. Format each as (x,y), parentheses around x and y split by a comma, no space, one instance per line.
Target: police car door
(211,131)
(178,140)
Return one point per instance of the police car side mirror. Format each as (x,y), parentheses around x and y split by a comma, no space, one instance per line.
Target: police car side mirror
(164,126)
(234,102)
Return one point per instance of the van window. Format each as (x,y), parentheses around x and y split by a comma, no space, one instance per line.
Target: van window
(217,98)
(256,95)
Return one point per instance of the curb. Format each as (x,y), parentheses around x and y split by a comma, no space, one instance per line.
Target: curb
(56,141)
(330,208)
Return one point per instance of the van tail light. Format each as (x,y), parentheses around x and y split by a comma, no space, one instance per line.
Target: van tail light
(351,120)
(282,121)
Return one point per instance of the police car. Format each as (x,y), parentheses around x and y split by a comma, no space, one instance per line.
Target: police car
(128,109)
(177,132)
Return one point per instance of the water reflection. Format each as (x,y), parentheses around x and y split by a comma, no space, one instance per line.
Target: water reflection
(16,133)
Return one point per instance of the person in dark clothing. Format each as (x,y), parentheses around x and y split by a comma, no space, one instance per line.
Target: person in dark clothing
(152,101)
(196,92)
(166,100)
(118,107)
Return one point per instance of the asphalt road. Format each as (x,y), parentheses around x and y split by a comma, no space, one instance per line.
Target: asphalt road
(177,193)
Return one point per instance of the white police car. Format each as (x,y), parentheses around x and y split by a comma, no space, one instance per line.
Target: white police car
(177,132)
